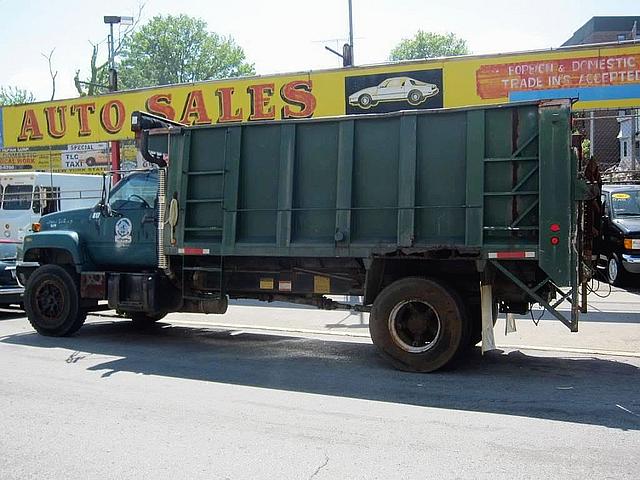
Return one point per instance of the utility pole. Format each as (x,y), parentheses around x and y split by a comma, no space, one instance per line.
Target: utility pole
(347,48)
(351,32)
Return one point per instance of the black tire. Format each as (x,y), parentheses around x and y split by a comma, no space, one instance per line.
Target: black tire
(415,97)
(418,324)
(145,320)
(365,101)
(80,319)
(90,161)
(52,301)
(615,271)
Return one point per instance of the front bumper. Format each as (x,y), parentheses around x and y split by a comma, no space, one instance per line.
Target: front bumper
(631,263)
(11,295)
(10,290)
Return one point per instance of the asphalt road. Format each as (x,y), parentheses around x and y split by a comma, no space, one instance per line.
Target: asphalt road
(187,401)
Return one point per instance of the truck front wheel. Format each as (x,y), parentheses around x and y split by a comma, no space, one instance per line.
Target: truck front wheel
(417,324)
(52,302)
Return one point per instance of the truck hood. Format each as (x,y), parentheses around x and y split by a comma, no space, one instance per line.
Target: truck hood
(628,224)
(66,220)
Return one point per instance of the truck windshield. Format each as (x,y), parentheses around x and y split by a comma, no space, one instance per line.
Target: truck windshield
(135,191)
(626,203)
(17,197)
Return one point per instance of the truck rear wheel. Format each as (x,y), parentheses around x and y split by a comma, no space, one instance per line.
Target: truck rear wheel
(418,324)
(52,302)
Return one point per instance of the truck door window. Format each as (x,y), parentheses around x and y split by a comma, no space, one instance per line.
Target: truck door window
(18,197)
(138,190)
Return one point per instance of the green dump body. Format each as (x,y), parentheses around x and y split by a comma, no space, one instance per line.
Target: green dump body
(478,181)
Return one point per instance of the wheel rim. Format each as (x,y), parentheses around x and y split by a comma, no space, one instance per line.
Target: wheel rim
(414,326)
(50,303)
(365,101)
(613,269)
(414,97)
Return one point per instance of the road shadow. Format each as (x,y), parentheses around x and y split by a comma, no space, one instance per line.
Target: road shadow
(569,389)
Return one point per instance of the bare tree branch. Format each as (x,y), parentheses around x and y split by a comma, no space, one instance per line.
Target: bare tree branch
(51,72)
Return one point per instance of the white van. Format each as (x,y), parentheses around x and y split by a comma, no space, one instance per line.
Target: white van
(25,197)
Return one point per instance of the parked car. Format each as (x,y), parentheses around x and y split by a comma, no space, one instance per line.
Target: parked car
(395,89)
(10,291)
(619,244)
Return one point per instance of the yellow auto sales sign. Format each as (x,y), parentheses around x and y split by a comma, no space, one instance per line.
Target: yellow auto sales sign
(605,77)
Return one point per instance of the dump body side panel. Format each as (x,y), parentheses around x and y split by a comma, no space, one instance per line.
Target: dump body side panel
(465,181)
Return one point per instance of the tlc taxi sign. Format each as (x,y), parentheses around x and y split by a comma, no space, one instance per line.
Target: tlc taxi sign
(606,76)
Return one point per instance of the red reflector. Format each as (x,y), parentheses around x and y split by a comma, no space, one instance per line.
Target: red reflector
(555,240)
(555,227)
(510,255)
(193,251)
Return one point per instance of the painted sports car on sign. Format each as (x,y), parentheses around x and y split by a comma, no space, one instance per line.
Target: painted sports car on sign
(395,89)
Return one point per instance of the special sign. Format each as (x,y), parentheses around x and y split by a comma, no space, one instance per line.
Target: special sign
(603,77)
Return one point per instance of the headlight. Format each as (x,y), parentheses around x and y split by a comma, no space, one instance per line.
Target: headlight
(632,243)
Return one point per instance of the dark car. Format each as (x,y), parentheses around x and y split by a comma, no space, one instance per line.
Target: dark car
(619,243)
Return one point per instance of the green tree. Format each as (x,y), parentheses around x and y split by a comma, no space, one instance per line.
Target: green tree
(429,45)
(15,96)
(179,49)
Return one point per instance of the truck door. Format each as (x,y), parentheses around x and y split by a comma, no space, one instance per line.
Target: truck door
(127,232)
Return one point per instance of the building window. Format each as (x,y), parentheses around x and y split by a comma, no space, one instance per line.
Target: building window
(624,149)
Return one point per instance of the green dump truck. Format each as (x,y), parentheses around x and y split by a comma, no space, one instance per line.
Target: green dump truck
(436,219)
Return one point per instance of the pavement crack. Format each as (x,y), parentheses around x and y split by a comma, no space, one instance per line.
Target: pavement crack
(324,464)
(75,357)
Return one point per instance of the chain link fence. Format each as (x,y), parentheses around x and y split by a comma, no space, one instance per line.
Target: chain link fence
(612,138)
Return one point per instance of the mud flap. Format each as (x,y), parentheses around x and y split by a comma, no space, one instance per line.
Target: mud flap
(486,302)
(510,324)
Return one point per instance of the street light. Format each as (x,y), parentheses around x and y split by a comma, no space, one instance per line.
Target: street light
(111,20)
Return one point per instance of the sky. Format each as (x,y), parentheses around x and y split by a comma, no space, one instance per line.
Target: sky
(283,35)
